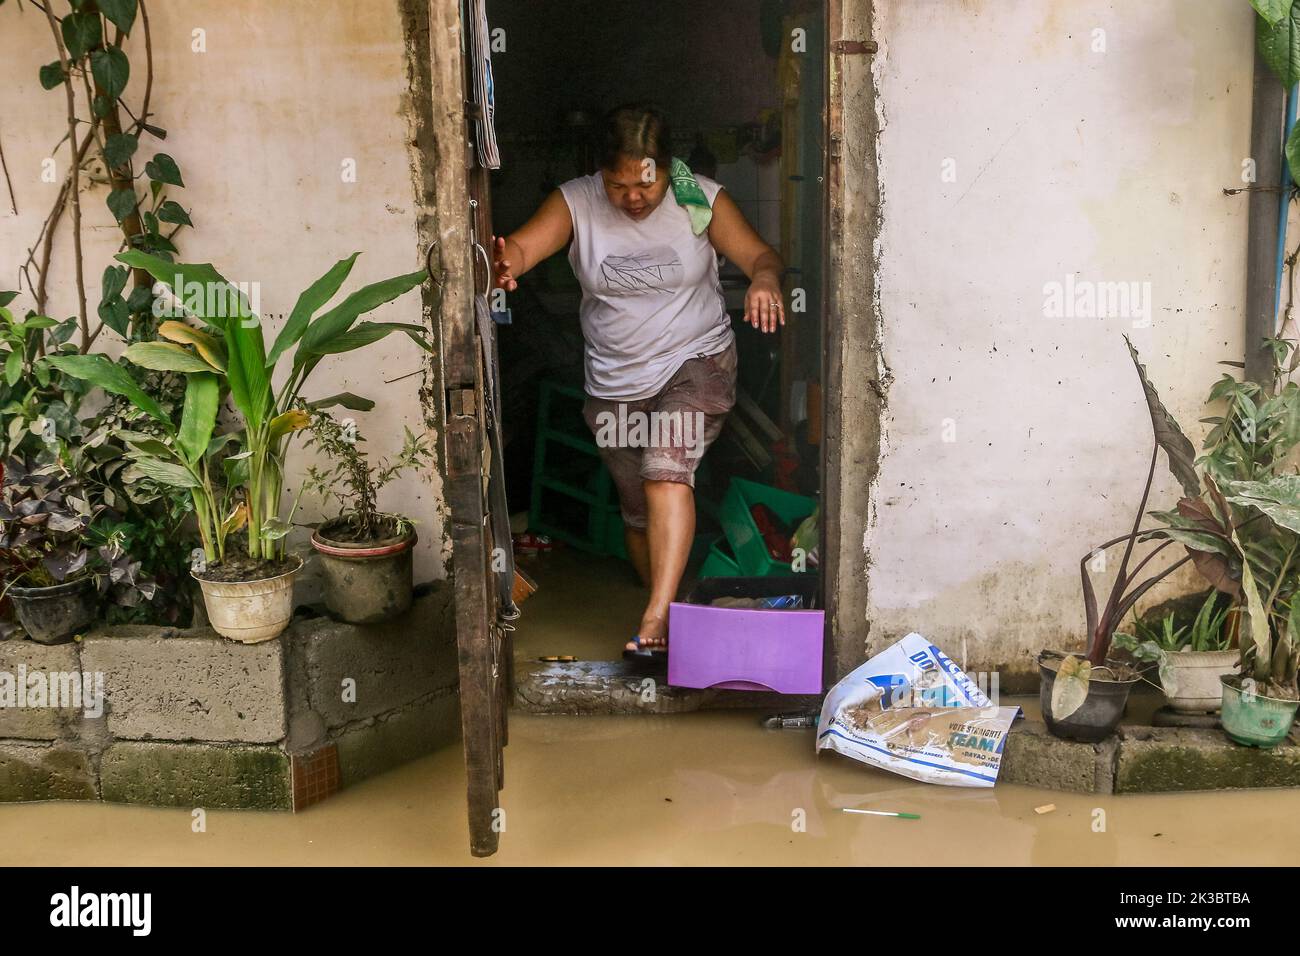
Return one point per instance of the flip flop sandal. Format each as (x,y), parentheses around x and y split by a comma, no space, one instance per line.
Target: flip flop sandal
(644,654)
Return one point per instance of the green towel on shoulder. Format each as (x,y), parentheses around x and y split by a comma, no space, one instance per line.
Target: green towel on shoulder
(690,196)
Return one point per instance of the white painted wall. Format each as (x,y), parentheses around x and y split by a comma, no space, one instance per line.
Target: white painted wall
(261,124)
(1106,165)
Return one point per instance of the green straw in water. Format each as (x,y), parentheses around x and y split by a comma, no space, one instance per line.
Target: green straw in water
(884,813)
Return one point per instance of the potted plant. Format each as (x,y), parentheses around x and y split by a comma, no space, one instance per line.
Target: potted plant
(1190,659)
(1083,698)
(1255,528)
(364,553)
(248,590)
(54,575)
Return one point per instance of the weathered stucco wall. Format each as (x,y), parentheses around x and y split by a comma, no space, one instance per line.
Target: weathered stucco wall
(263,120)
(1026,141)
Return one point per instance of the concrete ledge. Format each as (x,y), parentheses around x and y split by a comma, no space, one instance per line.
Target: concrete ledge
(1032,757)
(380,744)
(617,687)
(161,684)
(196,775)
(44,772)
(191,719)
(388,665)
(19,661)
(1163,759)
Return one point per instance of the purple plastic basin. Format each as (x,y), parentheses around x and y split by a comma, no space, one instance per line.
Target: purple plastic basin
(743,649)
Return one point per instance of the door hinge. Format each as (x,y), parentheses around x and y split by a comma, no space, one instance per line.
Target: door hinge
(854,47)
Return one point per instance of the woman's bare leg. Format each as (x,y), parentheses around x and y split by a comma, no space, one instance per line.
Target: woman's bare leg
(670,532)
(638,551)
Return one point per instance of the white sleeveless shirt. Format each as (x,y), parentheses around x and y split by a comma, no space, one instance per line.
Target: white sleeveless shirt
(651,298)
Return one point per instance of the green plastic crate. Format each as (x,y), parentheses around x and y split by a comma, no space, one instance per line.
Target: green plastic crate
(720,563)
(742,534)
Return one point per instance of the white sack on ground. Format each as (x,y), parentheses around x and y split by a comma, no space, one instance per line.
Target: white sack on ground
(911,710)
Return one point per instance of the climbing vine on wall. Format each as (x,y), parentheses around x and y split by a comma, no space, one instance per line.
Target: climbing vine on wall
(105,142)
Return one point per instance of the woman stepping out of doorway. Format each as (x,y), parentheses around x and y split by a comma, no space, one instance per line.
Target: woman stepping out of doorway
(660,355)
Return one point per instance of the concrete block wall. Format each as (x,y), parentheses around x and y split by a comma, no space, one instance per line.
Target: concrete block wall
(192,719)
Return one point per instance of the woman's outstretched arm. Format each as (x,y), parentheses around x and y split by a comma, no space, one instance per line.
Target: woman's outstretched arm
(545,234)
(736,239)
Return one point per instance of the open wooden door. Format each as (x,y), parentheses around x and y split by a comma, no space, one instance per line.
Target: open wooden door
(482,559)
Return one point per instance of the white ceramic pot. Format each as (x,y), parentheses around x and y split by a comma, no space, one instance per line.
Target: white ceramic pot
(1197,685)
(250,611)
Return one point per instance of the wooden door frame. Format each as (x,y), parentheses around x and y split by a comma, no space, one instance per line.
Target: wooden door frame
(453,259)
(853,373)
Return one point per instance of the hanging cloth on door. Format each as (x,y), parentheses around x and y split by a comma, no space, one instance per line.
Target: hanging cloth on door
(483,96)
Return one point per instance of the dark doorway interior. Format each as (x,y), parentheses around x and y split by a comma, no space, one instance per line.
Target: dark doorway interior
(742,83)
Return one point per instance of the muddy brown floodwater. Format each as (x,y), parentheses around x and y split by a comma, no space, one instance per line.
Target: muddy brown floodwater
(709,788)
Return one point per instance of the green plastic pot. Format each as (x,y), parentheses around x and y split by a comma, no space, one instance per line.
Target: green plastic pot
(1255,720)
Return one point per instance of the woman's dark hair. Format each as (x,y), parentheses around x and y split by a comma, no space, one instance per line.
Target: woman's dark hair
(636,130)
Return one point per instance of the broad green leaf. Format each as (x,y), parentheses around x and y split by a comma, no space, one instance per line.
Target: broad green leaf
(1070,686)
(119,148)
(203,292)
(81,32)
(7,297)
(1178,449)
(173,212)
(152,447)
(120,13)
(312,298)
(1277,497)
(113,281)
(250,385)
(274,528)
(114,313)
(111,377)
(121,203)
(166,357)
(1279,46)
(168,473)
(207,295)
(112,71)
(14,367)
(1272,10)
(346,399)
(199,416)
(339,319)
(163,169)
(51,75)
(368,332)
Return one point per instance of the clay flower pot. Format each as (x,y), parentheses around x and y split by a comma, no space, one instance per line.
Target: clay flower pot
(56,614)
(250,611)
(365,581)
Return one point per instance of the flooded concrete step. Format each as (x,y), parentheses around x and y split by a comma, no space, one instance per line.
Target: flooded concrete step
(1139,759)
(620,687)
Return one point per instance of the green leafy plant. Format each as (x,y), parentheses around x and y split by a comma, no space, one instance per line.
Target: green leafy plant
(92,70)
(353,482)
(1156,641)
(48,517)
(1070,687)
(228,355)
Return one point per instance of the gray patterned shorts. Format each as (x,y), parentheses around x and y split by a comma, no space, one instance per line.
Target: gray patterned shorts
(663,438)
